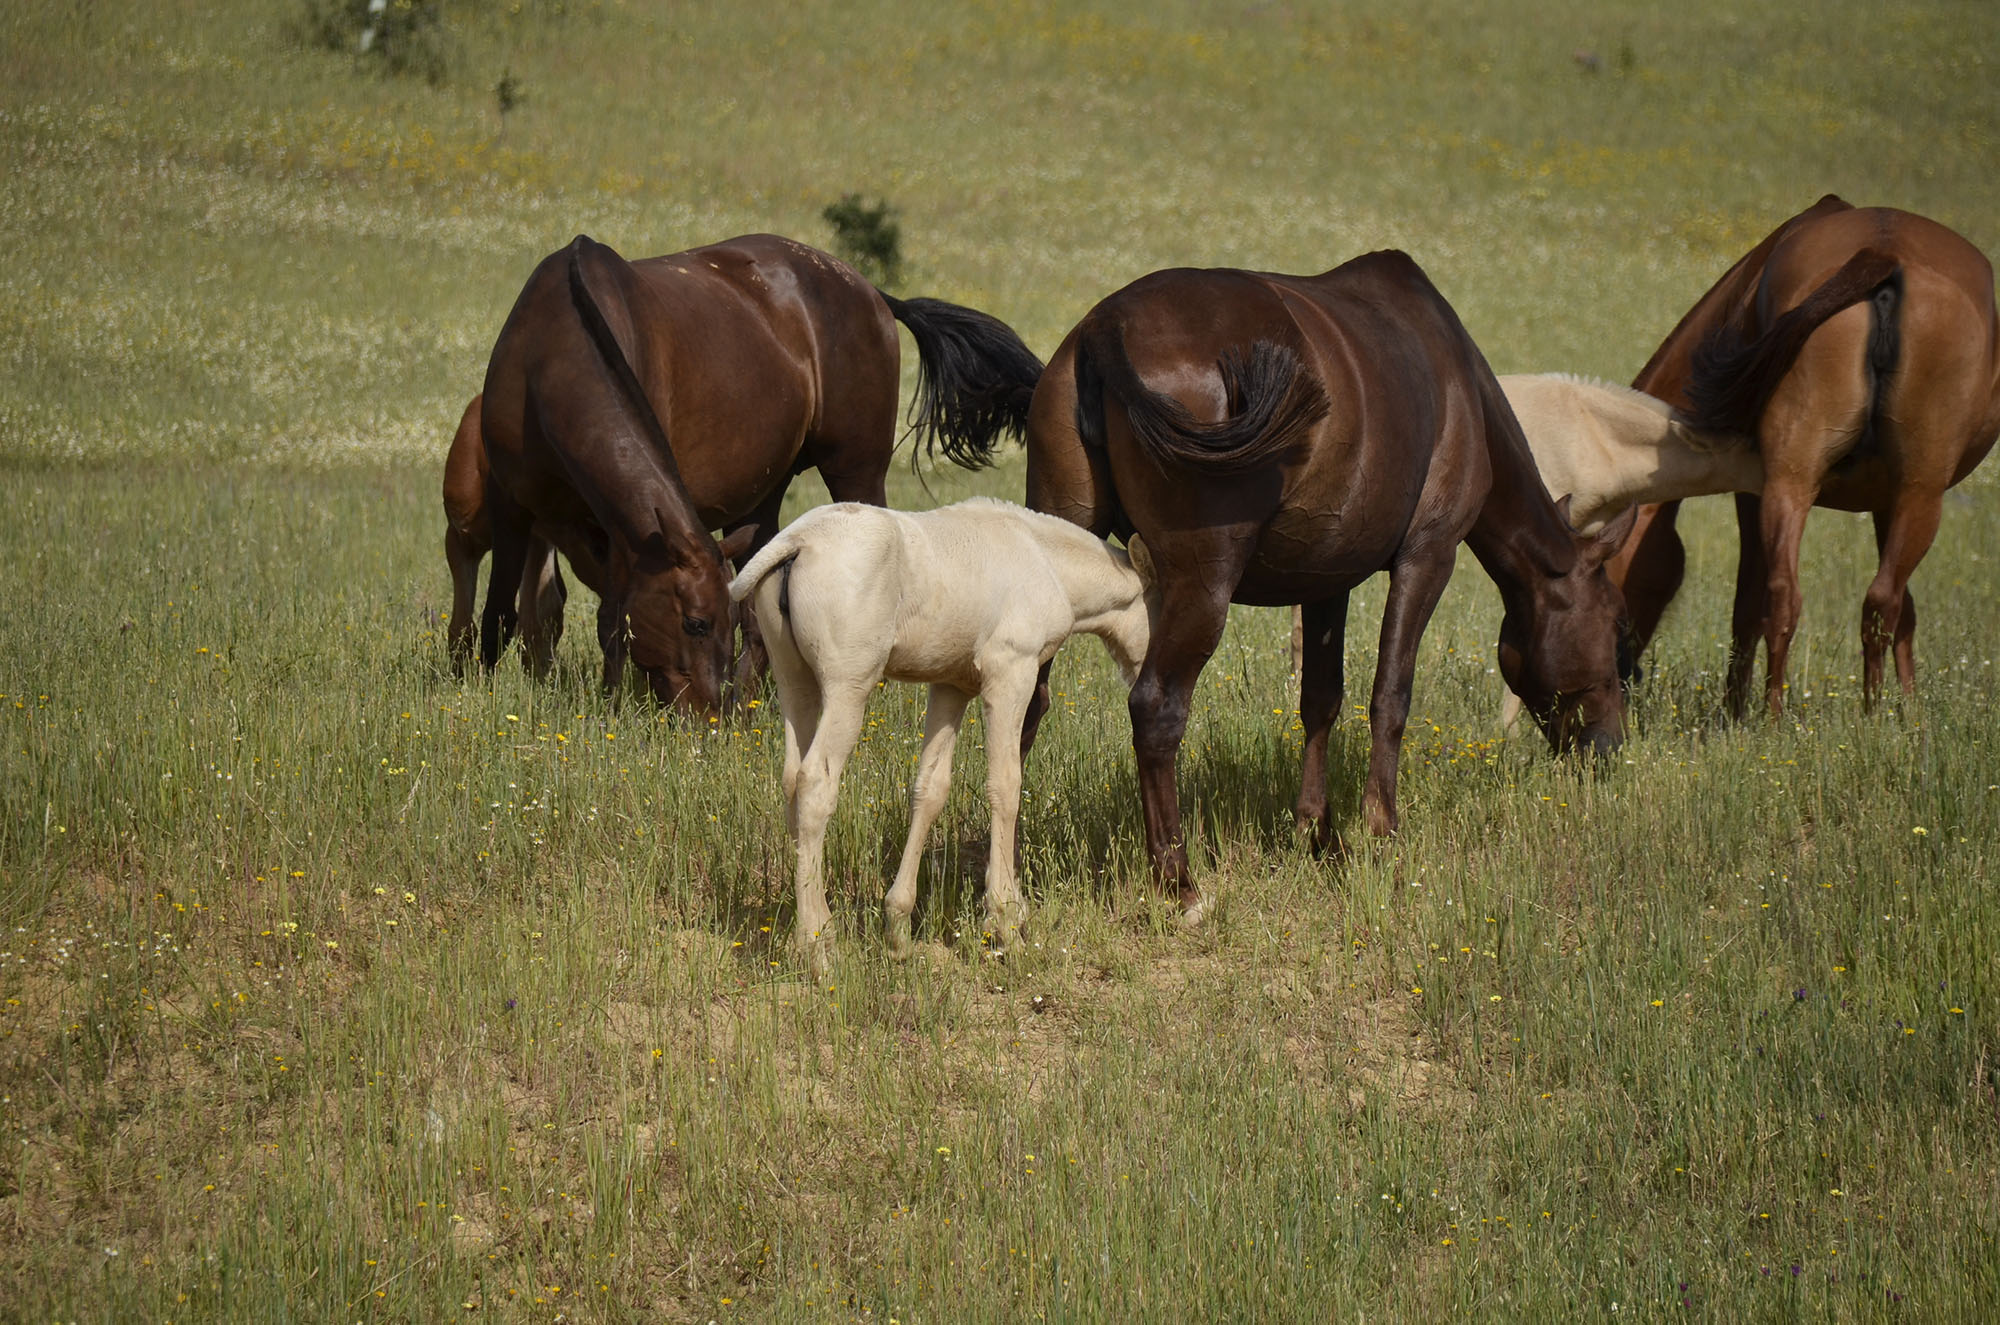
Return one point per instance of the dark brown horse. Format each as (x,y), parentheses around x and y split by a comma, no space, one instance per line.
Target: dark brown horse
(1279,439)
(1861,347)
(630,408)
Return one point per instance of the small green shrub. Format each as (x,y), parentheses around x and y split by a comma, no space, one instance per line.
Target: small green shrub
(397,36)
(867,237)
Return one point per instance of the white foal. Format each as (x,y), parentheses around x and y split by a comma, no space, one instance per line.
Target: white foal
(1606,447)
(972,599)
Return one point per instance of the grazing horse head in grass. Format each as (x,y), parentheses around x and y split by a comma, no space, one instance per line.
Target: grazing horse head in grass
(632,407)
(1860,348)
(1603,449)
(1279,439)
(973,599)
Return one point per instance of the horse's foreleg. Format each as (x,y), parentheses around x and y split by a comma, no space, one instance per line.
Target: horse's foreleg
(753,660)
(1751,606)
(1415,584)
(510,555)
(613,637)
(927,796)
(540,607)
(1889,613)
(1648,570)
(462,555)
(1783,524)
(1190,622)
(820,766)
(1322,637)
(1006,696)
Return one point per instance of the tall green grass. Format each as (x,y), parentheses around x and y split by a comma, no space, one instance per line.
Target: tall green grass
(333,986)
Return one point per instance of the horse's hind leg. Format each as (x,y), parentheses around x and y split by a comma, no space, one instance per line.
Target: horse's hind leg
(1889,613)
(1750,607)
(820,767)
(1322,679)
(462,553)
(1190,622)
(927,797)
(1782,526)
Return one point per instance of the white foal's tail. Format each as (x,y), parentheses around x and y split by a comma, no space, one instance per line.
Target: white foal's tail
(773,555)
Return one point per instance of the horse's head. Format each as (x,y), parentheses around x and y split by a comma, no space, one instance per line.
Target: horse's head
(1565,648)
(683,624)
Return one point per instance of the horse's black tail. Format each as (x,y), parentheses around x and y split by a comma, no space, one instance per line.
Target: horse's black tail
(1273,400)
(1734,375)
(975,378)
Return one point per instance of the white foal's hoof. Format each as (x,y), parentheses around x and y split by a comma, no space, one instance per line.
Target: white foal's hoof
(896,935)
(1003,927)
(816,951)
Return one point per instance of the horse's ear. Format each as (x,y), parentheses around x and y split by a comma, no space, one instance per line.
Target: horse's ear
(1562,509)
(736,544)
(1604,544)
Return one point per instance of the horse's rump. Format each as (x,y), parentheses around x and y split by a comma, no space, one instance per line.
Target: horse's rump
(1737,371)
(1272,401)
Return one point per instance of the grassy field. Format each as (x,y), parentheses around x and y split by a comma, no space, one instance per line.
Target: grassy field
(332,988)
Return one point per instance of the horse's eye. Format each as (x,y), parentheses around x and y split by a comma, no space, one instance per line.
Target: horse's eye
(694,626)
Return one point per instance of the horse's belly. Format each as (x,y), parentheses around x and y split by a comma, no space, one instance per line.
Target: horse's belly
(1305,555)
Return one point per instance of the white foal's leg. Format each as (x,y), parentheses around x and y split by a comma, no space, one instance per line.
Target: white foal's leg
(818,788)
(927,796)
(1006,698)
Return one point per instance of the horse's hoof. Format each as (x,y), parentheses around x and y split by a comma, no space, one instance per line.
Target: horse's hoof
(1004,927)
(1196,911)
(815,949)
(896,935)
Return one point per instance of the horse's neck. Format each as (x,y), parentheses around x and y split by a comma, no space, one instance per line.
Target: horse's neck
(1648,456)
(1518,534)
(1105,596)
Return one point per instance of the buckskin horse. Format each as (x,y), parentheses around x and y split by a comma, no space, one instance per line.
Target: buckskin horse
(630,407)
(1861,348)
(1279,439)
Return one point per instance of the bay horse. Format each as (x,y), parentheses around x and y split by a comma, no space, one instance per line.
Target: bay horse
(972,599)
(1279,439)
(1860,346)
(631,407)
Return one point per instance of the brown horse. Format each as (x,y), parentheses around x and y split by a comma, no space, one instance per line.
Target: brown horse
(468,537)
(759,358)
(1861,347)
(1279,439)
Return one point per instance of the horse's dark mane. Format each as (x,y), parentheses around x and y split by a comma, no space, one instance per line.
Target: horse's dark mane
(975,378)
(1272,401)
(584,249)
(1734,374)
